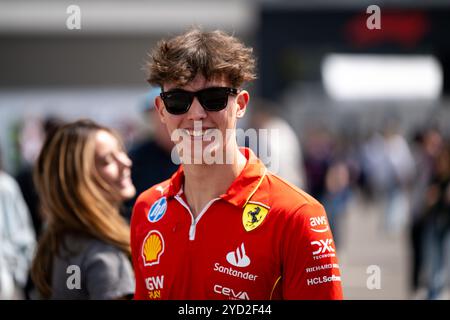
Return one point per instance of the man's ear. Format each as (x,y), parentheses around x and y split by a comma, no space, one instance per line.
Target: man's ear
(242,100)
(159,105)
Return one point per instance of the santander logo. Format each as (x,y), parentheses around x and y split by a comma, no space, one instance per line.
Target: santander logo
(238,258)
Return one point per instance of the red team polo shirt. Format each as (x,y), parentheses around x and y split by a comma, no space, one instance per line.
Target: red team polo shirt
(263,239)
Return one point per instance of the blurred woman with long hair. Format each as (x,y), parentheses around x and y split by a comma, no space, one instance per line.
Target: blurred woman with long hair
(82,176)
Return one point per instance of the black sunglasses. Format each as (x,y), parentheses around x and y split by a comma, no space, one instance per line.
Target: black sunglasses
(179,101)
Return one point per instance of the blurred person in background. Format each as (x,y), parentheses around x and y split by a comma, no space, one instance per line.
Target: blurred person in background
(388,164)
(401,161)
(25,175)
(438,226)
(426,147)
(318,156)
(282,153)
(82,177)
(17,239)
(223,224)
(337,195)
(341,172)
(151,157)
(374,167)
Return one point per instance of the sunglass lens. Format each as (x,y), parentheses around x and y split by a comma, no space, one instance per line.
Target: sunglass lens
(214,99)
(177,102)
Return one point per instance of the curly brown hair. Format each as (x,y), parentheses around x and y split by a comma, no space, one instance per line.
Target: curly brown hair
(212,54)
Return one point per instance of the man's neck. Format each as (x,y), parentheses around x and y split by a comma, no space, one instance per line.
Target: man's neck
(204,183)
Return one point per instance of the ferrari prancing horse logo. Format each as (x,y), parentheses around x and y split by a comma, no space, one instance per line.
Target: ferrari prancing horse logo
(253,216)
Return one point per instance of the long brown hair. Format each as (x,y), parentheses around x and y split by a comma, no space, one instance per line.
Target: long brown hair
(73,197)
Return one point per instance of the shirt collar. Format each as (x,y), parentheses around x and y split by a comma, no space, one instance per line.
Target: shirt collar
(242,189)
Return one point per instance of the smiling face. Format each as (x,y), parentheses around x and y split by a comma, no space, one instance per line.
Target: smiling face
(113,165)
(199,126)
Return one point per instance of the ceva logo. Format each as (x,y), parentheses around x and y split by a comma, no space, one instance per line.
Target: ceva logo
(230,293)
(238,258)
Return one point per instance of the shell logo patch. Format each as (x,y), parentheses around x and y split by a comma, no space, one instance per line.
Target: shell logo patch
(253,216)
(152,248)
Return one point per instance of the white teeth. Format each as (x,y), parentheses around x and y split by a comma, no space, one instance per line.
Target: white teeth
(198,133)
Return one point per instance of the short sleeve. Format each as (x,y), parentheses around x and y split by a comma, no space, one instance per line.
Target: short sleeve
(109,274)
(138,209)
(310,264)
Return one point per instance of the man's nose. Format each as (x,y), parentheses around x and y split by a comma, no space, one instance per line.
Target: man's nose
(196,111)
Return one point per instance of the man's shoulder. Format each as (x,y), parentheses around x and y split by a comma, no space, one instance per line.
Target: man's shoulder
(154,193)
(289,198)
(283,188)
(153,197)
(294,206)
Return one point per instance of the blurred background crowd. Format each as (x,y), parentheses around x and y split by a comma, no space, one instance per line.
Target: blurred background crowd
(363,117)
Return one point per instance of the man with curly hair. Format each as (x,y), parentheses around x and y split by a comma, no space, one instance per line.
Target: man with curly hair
(223,227)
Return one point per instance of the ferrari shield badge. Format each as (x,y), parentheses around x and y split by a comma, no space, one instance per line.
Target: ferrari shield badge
(253,216)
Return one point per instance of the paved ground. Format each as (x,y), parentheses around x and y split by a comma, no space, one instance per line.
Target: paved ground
(364,244)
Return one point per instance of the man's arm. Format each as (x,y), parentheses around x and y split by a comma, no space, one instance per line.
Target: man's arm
(310,264)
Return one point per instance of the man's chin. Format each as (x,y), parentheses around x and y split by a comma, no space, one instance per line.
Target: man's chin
(211,154)
(202,152)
